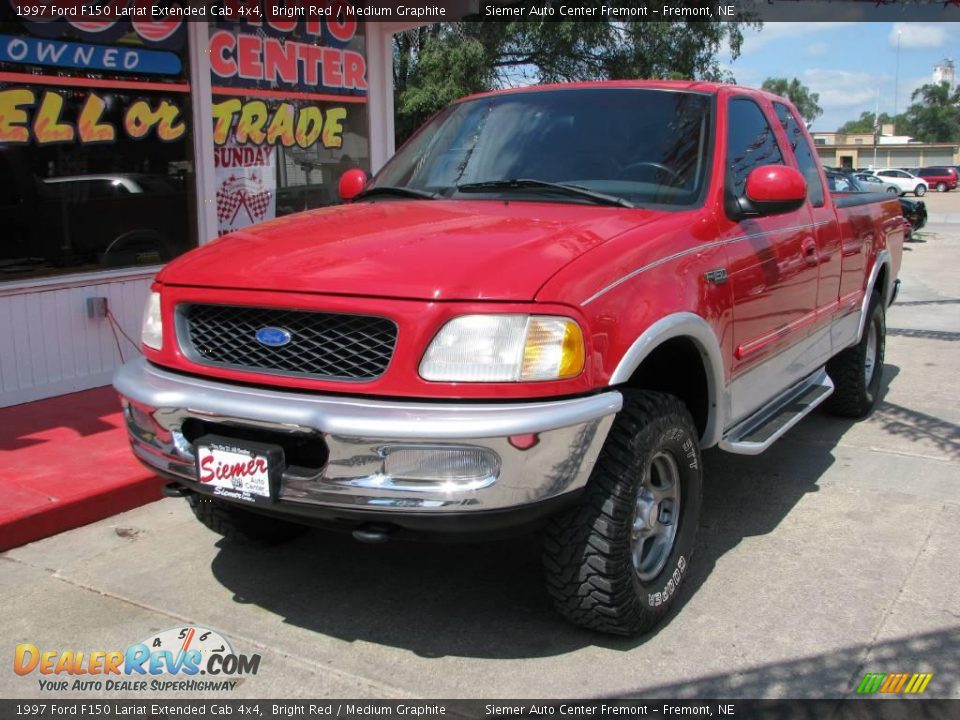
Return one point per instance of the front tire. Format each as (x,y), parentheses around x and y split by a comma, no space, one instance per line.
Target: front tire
(242,526)
(615,561)
(920,191)
(858,370)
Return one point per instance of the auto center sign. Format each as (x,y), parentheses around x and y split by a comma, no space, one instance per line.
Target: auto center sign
(304,55)
(243,60)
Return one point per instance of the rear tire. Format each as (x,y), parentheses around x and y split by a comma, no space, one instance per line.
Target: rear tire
(242,526)
(858,370)
(941,187)
(615,561)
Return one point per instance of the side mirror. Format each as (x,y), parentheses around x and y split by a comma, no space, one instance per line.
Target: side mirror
(770,190)
(352,183)
(773,189)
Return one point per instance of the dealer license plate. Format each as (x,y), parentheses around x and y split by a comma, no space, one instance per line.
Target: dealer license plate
(238,470)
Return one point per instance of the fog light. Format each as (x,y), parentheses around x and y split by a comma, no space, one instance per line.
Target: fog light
(460,467)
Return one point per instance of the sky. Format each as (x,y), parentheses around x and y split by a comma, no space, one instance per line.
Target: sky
(848,64)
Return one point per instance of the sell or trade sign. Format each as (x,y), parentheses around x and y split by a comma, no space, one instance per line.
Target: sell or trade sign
(41,116)
(60,53)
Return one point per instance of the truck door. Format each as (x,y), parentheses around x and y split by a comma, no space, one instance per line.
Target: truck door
(772,269)
(826,229)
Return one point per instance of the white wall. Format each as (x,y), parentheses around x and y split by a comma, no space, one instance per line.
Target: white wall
(48,345)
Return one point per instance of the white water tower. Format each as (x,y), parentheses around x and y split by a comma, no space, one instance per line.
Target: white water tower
(945,72)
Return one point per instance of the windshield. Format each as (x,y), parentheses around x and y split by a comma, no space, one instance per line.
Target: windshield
(649,147)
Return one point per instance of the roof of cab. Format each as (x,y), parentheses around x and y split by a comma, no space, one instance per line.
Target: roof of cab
(698,86)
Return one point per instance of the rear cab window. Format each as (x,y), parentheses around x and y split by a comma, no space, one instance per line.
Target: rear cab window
(802,152)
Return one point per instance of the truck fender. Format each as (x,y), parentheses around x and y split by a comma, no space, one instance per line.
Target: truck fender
(694,327)
(882,261)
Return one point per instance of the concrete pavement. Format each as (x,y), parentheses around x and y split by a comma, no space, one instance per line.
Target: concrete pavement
(832,555)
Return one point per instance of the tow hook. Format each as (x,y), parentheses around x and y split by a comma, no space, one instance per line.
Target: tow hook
(372,533)
(176,491)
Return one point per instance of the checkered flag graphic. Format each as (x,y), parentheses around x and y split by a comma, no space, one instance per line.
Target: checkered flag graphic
(242,192)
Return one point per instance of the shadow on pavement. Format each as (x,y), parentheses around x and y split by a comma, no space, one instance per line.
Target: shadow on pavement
(80,414)
(944,335)
(836,675)
(487,600)
(917,426)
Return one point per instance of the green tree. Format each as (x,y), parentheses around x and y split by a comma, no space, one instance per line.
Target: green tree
(934,116)
(439,63)
(865,123)
(799,94)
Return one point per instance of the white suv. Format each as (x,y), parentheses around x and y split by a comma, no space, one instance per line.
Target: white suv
(903,180)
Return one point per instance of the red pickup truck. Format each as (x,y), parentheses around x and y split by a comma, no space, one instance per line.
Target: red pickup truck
(539,312)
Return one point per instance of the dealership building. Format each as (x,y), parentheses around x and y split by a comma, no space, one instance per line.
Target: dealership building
(124,143)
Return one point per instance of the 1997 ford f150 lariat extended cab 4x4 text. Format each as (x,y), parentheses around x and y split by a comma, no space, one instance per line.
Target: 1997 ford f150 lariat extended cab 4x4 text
(540,310)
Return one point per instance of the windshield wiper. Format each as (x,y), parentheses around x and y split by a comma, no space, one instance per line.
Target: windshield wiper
(396,190)
(598,197)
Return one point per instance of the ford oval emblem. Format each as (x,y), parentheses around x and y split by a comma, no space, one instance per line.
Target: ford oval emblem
(273,336)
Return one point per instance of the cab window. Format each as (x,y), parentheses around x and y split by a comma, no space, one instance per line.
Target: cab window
(802,152)
(750,143)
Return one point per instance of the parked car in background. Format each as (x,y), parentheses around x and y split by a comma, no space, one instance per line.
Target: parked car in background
(871,183)
(840,181)
(907,182)
(105,220)
(942,178)
(914,211)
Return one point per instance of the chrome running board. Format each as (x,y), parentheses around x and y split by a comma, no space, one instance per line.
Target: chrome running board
(769,423)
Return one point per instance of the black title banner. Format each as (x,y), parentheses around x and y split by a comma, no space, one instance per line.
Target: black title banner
(284,12)
(859,709)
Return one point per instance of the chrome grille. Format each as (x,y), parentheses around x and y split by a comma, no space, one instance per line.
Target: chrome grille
(322,345)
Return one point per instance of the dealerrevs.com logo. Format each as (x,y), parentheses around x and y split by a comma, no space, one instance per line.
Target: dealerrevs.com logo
(189,659)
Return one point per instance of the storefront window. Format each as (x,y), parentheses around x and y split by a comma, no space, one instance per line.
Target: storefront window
(289,115)
(96,156)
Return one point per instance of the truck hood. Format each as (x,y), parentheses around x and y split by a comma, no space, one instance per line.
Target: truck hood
(416,249)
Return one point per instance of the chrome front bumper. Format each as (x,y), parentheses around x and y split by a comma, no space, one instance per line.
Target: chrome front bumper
(543,449)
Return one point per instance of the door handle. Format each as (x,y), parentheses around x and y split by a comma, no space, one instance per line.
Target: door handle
(810,251)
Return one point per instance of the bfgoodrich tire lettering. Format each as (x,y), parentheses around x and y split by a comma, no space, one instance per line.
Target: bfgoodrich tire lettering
(239,525)
(596,574)
(857,371)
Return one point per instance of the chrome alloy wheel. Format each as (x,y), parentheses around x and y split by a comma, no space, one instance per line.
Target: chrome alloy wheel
(655,517)
(870,359)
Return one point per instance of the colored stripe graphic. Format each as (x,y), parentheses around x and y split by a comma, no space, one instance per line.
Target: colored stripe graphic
(870,683)
(894,683)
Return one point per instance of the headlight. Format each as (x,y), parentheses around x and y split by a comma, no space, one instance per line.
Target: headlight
(504,348)
(151,334)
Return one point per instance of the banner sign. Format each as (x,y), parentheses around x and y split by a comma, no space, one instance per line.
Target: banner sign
(33,115)
(59,53)
(38,20)
(51,116)
(251,121)
(306,56)
(246,186)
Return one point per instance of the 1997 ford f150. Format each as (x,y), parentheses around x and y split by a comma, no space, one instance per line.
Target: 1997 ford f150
(540,311)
